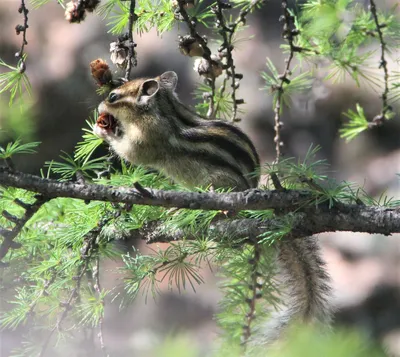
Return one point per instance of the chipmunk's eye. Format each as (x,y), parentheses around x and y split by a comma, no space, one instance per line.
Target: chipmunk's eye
(113,97)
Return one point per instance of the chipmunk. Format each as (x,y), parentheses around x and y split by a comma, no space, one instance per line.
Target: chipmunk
(145,123)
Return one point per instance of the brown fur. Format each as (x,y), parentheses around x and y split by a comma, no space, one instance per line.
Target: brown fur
(160,132)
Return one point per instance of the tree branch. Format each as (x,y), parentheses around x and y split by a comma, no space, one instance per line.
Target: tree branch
(88,253)
(374,220)
(131,43)
(287,34)
(308,218)
(226,49)
(251,199)
(22,28)
(206,52)
(202,40)
(379,119)
(9,235)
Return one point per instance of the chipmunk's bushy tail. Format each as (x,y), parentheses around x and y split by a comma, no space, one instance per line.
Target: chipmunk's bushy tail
(306,287)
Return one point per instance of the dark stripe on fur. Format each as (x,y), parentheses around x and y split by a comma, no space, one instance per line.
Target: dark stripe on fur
(223,144)
(215,160)
(185,116)
(203,121)
(235,130)
(191,119)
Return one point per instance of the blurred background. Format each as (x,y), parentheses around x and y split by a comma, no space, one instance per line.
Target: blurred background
(365,268)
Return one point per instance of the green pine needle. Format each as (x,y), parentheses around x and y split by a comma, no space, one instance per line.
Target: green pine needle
(120,19)
(38,3)
(296,85)
(71,167)
(16,147)
(86,148)
(357,124)
(14,81)
(107,7)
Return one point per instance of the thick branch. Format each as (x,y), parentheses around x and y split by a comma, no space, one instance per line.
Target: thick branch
(375,220)
(251,199)
(308,218)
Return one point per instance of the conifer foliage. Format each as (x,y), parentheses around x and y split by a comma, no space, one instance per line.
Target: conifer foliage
(53,240)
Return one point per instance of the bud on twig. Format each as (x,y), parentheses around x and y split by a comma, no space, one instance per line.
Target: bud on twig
(207,69)
(189,46)
(100,71)
(74,13)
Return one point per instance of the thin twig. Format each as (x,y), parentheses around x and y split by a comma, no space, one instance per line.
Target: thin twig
(43,292)
(226,50)
(380,118)
(227,32)
(244,12)
(97,288)
(164,267)
(9,235)
(142,190)
(288,33)
(211,106)
(22,29)
(87,251)
(222,90)
(67,307)
(254,295)
(193,32)
(202,41)
(275,181)
(131,43)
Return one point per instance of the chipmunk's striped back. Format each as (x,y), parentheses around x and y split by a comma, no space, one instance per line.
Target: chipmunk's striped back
(157,130)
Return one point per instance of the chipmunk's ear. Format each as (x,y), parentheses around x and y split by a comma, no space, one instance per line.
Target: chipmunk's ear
(169,80)
(147,91)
